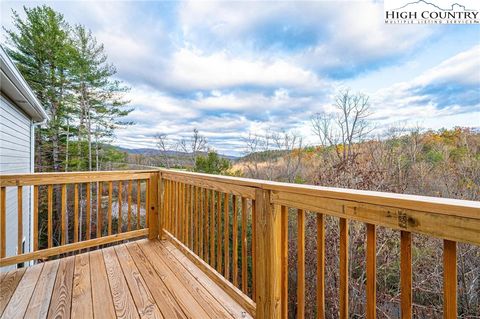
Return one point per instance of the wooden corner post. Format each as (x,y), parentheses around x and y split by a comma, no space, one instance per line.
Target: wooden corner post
(268,256)
(154,204)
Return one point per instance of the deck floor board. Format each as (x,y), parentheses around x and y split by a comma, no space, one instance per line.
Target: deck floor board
(140,279)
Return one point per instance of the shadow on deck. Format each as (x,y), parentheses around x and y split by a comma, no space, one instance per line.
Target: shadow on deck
(140,279)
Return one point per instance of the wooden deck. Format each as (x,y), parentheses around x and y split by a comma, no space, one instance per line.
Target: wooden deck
(141,279)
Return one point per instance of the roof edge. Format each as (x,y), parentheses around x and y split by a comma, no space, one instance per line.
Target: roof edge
(32,107)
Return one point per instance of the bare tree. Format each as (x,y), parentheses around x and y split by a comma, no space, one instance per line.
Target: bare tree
(346,126)
(273,155)
(163,146)
(195,144)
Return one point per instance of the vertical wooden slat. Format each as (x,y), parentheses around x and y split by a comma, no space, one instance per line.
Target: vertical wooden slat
(120,202)
(64,214)
(180,211)
(197,222)
(110,198)
(320,266)
(3,221)
(284,252)
(268,285)
(343,268)
(184,206)
(449,279)
(212,228)
(219,232)
(129,213)
(207,226)
(371,271)
(226,231)
(50,216)
(147,201)
(177,209)
(406,274)
(99,209)
(35,218)
(187,214)
(19,219)
(301,264)
(244,246)
(75,213)
(202,226)
(254,247)
(139,202)
(89,209)
(235,242)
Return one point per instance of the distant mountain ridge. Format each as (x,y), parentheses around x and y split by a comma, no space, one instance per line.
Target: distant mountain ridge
(154,152)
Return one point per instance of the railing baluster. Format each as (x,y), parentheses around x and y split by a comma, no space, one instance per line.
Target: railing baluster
(343,268)
(129,213)
(88,212)
(406,274)
(254,243)
(207,226)
(212,228)
(301,264)
(320,266)
(19,219)
(235,241)
(244,246)
(147,202)
(188,215)
(371,271)
(182,214)
(110,199)
(202,226)
(139,203)
(99,209)
(177,209)
(227,236)
(75,213)
(50,215)
(449,279)
(35,218)
(219,232)
(284,257)
(195,219)
(64,214)
(120,203)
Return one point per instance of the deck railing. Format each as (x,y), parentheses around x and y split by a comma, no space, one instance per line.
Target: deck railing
(197,209)
(106,207)
(236,229)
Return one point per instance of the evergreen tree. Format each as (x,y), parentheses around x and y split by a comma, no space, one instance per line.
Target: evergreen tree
(100,99)
(43,53)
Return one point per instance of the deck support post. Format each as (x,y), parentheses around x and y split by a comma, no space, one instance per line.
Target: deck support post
(153,215)
(268,256)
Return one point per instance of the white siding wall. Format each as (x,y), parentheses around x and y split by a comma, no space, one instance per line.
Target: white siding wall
(15,157)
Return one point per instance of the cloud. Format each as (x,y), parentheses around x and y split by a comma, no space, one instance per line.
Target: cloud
(228,68)
(450,88)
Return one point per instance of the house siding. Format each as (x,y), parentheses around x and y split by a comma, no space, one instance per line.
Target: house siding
(16,138)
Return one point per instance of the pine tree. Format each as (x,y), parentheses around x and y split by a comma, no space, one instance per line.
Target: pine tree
(42,51)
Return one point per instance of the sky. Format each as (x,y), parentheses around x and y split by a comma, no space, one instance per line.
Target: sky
(232,69)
